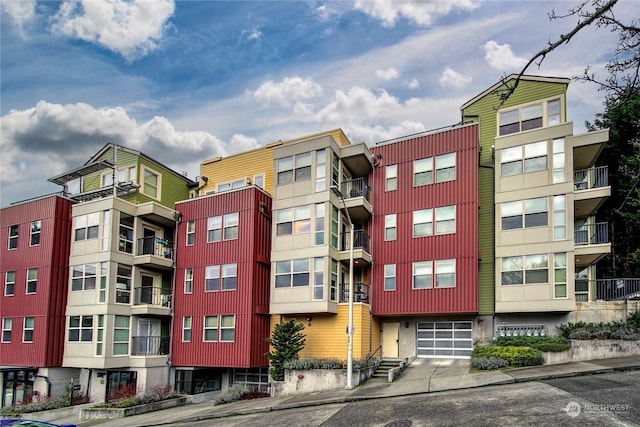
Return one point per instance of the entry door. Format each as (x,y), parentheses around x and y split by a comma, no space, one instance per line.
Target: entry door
(146,293)
(149,336)
(149,241)
(390,339)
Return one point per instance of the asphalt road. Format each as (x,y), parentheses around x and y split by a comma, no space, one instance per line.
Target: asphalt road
(594,400)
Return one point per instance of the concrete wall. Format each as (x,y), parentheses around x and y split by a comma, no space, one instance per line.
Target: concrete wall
(603,311)
(584,350)
(53,381)
(308,381)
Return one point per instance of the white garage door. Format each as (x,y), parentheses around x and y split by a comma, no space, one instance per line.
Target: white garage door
(445,339)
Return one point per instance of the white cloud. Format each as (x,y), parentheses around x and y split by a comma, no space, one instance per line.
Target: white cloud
(413,84)
(254,34)
(357,105)
(421,12)
(501,57)
(287,92)
(453,79)
(130,28)
(389,74)
(20,12)
(241,143)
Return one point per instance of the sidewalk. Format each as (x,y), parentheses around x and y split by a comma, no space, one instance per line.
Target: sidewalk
(421,376)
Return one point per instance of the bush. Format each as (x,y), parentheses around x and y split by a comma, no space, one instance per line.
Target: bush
(254,394)
(489,363)
(123,398)
(232,394)
(302,364)
(625,330)
(542,343)
(514,356)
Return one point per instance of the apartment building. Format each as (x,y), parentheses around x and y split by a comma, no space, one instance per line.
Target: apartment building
(34,261)
(118,308)
(425,243)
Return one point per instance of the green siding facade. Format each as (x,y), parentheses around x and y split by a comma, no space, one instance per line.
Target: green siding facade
(484,111)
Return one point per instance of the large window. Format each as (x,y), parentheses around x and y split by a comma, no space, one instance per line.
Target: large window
(27,331)
(391,177)
(227,328)
(9,283)
(32,280)
(81,328)
(422,275)
(524,213)
(151,183)
(86,226)
(36,228)
(121,335)
(390,277)
(293,220)
(232,185)
(221,277)
(531,116)
(219,328)
(445,169)
(222,227)
(423,171)
(13,236)
(7,324)
(191,233)
(292,273)
(125,242)
(123,284)
(390,227)
(84,276)
(294,168)
(445,274)
(445,221)
(523,159)
(525,269)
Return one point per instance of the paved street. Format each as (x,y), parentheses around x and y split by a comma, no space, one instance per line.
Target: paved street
(594,400)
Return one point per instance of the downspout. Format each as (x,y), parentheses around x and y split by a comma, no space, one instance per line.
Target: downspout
(178,220)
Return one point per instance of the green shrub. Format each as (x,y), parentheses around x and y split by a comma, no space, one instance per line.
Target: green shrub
(489,363)
(514,356)
(542,343)
(232,394)
(626,330)
(302,364)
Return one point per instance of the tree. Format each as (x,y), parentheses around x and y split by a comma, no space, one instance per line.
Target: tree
(287,340)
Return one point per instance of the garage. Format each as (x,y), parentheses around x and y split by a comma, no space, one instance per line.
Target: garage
(445,339)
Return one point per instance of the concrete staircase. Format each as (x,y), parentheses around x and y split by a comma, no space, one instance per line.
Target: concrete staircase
(385,366)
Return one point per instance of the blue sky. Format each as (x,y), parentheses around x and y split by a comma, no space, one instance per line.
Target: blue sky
(184,81)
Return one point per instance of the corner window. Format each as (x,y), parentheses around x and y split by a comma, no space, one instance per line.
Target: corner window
(318,279)
(86,226)
(151,184)
(532,116)
(13,236)
(321,170)
(123,284)
(32,280)
(27,331)
(391,177)
(294,168)
(7,324)
(292,273)
(319,223)
(81,328)
(9,283)
(121,336)
(559,217)
(34,238)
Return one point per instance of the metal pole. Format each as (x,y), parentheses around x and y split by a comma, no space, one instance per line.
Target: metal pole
(350,316)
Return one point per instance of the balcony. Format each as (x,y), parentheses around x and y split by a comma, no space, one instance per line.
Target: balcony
(152,252)
(607,289)
(591,242)
(360,294)
(361,254)
(356,194)
(148,300)
(591,189)
(150,346)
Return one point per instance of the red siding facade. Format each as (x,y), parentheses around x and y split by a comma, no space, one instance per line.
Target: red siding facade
(406,249)
(249,302)
(51,259)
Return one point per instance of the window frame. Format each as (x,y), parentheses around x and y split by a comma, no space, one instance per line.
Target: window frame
(389,277)
(28,330)
(423,171)
(292,272)
(440,170)
(35,233)
(31,282)
(526,211)
(156,193)
(210,328)
(520,265)
(83,329)
(550,114)
(187,327)
(121,343)
(226,328)
(191,232)
(391,177)
(390,223)
(8,283)
(188,280)
(218,275)
(86,227)
(83,278)
(7,329)
(14,235)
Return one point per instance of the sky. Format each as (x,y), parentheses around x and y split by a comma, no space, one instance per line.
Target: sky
(185,81)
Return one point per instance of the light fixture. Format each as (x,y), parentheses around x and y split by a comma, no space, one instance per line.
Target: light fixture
(309,319)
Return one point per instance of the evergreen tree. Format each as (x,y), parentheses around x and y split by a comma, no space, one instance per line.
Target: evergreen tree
(287,340)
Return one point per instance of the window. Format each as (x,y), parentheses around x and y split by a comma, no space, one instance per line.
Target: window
(186,329)
(36,227)
(83,277)
(27,331)
(258,180)
(390,277)
(294,168)
(292,273)
(446,220)
(423,171)
(102,293)
(210,328)
(553,112)
(7,323)
(81,328)
(524,213)
(423,222)
(86,226)
(293,220)
(121,336)
(9,283)
(226,186)
(319,223)
(559,217)
(390,227)
(100,335)
(151,183)
(106,231)
(560,275)
(227,328)
(321,170)
(334,280)
(529,117)
(215,275)
(335,170)
(126,233)
(13,236)
(558,160)
(318,279)
(523,159)
(334,227)
(191,232)
(32,280)
(123,284)
(422,275)
(527,269)
(391,177)
(188,280)
(222,227)
(445,273)
(446,167)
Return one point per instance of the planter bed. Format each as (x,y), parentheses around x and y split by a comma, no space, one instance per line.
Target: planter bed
(108,413)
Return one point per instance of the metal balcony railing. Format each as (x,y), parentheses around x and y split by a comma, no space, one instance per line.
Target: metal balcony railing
(150,346)
(152,295)
(152,245)
(355,188)
(360,293)
(591,178)
(591,234)
(361,240)
(608,289)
